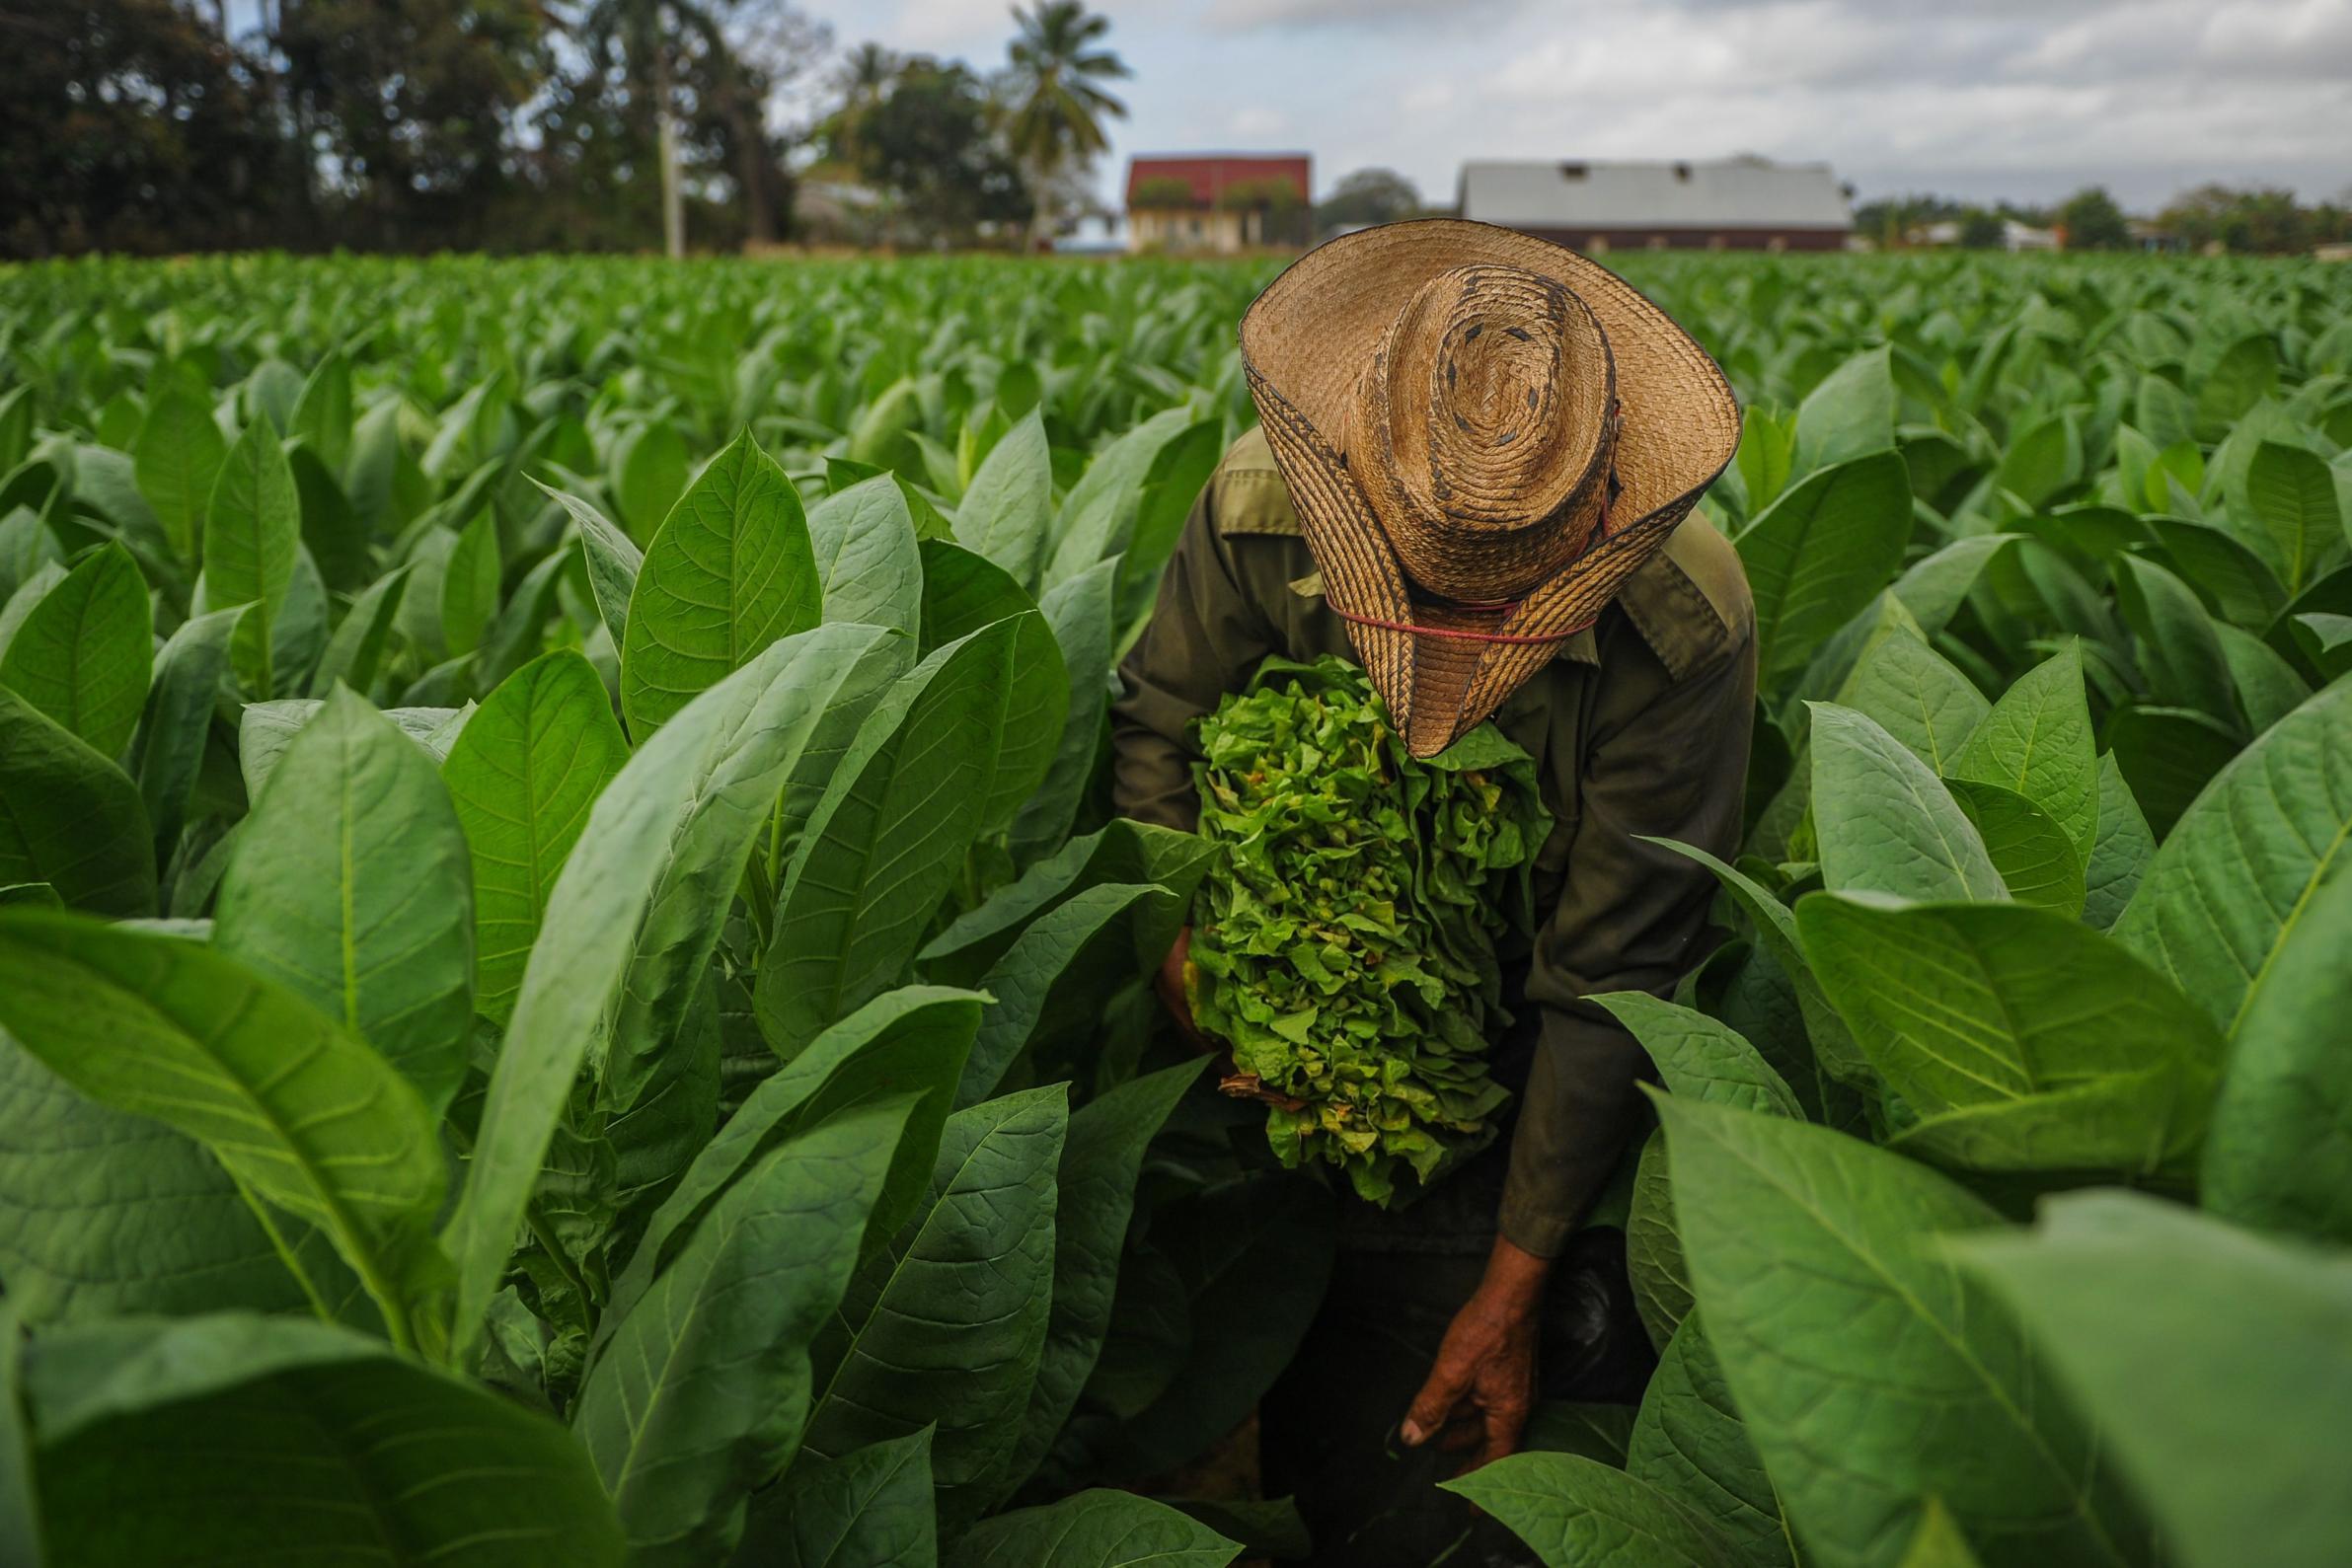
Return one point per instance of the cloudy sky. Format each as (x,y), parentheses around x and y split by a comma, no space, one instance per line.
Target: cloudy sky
(2029,99)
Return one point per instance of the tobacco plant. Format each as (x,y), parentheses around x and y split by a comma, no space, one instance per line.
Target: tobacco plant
(571,993)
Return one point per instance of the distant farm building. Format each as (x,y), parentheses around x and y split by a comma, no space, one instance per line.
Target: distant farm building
(1220,203)
(2016,236)
(1734,204)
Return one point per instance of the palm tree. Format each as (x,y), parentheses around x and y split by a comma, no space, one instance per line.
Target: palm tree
(1055,119)
(860,82)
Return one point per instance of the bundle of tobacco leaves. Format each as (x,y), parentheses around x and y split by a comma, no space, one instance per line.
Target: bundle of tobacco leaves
(1345,942)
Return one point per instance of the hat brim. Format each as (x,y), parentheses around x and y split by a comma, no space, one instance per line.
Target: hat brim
(1308,336)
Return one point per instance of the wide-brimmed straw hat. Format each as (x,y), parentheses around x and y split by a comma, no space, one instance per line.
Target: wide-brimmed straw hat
(1484,434)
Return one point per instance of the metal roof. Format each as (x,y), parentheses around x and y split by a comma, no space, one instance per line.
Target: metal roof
(1730,193)
(1209,174)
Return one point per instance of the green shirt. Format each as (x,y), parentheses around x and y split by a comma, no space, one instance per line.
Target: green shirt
(1640,729)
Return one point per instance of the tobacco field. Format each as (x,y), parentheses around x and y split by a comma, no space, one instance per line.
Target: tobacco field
(570,993)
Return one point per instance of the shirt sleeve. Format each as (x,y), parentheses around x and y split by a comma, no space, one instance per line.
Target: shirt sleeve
(1204,637)
(1667,760)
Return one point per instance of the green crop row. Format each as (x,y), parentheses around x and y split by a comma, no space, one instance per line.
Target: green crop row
(571,993)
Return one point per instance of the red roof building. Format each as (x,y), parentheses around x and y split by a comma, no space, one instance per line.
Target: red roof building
(1217,201)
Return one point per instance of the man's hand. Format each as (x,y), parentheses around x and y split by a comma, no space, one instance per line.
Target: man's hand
(1483,1384)
(1169,983)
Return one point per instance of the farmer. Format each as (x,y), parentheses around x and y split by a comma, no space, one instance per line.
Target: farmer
(1475,451)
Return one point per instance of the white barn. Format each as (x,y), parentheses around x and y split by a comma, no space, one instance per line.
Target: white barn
(1728,204)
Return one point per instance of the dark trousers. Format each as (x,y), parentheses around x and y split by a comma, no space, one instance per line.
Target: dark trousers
(1327,1430)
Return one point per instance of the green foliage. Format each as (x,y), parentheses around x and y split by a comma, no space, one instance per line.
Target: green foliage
(711,923)
(1345,943)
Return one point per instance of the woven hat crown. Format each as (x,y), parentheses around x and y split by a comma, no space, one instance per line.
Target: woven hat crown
(1462,562)
(1482,430)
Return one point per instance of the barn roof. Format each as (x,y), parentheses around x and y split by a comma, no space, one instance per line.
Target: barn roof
(1209,174)
(1730,193)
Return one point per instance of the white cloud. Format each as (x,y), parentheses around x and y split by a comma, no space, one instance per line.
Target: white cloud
(1978,98)
(1241,16)
(1255,123)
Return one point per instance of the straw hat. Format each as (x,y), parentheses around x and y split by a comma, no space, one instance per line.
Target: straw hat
(1484,434)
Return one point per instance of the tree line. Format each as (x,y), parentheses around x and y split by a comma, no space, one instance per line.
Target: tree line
(154,126)
(2257,221)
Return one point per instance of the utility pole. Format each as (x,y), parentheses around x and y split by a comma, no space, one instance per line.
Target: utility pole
(673,200)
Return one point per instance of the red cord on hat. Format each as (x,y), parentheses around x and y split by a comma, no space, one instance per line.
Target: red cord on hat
(1511,639)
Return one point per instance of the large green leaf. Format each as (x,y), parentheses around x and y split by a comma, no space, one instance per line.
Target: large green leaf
(169,750)
(963,591)
(700,1396)
(1249,1260)
(177,457)
(1938,1543)
(2037,740)
(887,838)
(2041,459)
(297,1110)
(1917,696)
(730,572)
(2269,687)
(867,566)
(470,586)
(945,1325)
(1654,1265)
(2214,1361)
(2180,649)
(639,902)
(1850,414)
(1034,700)
(649,467)
(281,1441)
(1776,931)
(20,1507)
(1093,1529)
(355,650)
(1690,1444)
(253,533)
(869,1509)
(1006,513)
(72,818)
(613,561)
(85,654)
(1064,967)
(911,1040)
(1079,611)
(1095,1195)
(2027,1040)
(2280,1154)
(1870,1374)
(2230,884)
(322,413)
(1700,1056)
(2295,502)
(265,729)
(1098,515)
(524,774)
(350,888)
(1122,850)
(2038,862)
(103,1213)
(1886,824)
(1923,600)
(2120,850)
(2168,756)
(1819,552)
(1579,1513)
